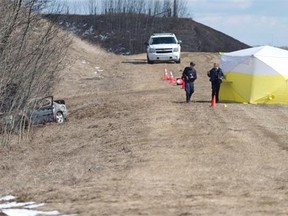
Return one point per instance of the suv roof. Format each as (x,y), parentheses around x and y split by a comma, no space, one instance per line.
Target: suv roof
(163,34)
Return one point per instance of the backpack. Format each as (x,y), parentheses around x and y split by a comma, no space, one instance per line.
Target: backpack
(190,76)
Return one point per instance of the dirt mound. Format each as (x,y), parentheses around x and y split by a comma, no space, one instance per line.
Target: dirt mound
(132,146)
(126,33)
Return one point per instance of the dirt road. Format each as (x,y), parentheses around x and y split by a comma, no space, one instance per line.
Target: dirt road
(132,145)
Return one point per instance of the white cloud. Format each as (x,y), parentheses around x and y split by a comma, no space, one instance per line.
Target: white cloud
(250,29)
(267,23)
(221,4)
(254,22)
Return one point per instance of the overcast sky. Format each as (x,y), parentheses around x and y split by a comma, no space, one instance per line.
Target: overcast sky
(254,22)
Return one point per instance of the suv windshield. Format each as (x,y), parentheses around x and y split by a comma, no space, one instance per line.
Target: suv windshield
(163,40)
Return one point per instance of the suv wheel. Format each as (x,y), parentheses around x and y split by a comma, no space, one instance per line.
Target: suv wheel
(59,117)
(178,62)
(148,60)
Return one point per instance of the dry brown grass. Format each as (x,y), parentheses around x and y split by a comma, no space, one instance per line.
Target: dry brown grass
(133,147)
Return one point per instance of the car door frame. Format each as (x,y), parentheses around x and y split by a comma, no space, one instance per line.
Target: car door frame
(43,112)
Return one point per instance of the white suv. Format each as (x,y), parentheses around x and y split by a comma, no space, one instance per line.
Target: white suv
(163,47)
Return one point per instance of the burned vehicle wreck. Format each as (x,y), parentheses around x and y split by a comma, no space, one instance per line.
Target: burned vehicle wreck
(38,111)
(46,110)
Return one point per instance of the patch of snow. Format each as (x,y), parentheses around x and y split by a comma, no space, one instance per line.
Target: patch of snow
(27,212)
(103,37)
(7,197)
(34,205)
(15,204)
(88,31)
(13,208)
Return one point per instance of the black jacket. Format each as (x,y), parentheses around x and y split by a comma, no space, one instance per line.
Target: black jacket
(189,74)
(216,75)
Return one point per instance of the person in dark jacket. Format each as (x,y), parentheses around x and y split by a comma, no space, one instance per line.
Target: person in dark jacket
(216,76)
(189,75)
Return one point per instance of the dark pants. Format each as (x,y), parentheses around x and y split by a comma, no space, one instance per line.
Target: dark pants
(189,88)
(215,90)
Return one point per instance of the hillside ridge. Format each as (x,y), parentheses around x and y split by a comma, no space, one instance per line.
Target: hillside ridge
(127,33)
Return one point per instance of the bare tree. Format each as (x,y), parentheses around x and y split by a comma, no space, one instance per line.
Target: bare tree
(31,54)
(92,7)
(181,8)
(151,7)
(157,7)
(167,7)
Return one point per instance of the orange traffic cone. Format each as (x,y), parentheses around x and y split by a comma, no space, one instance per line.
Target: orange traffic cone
(172,79)
(165,75)
(213,101)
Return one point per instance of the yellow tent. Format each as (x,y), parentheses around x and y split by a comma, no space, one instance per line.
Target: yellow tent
(255,75)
